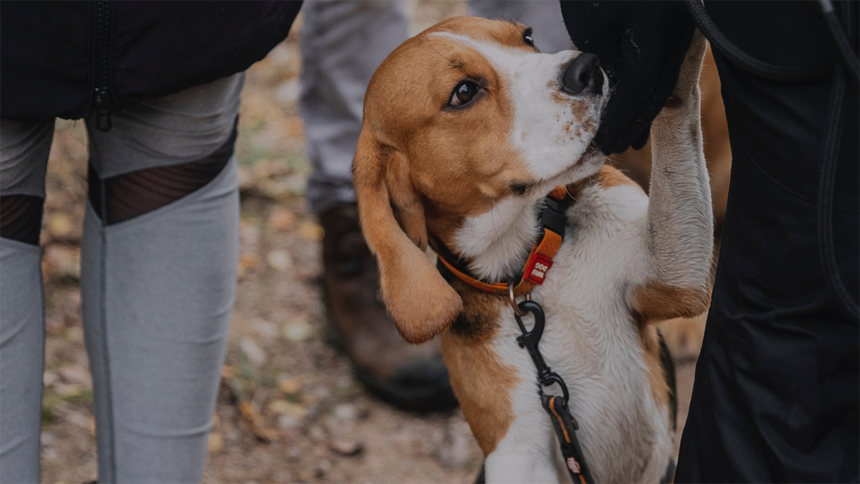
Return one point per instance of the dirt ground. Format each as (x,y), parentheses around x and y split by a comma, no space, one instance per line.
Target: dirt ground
(289,408)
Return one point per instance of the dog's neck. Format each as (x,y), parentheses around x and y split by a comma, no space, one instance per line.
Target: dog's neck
(497,243)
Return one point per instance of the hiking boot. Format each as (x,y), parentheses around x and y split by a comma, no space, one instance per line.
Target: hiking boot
(407,376)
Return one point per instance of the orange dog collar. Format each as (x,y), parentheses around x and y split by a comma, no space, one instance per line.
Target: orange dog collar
(553,224)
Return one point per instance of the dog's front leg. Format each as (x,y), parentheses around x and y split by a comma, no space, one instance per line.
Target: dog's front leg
(520,462)
(679,230)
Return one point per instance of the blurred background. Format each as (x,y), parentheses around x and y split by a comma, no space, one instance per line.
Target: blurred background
(289,409)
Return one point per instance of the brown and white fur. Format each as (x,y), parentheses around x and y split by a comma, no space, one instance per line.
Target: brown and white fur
(474,178)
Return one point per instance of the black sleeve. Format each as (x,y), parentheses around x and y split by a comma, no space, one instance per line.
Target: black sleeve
(641,45)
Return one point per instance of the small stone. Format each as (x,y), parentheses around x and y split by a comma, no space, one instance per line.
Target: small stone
(282,476)
(345,412)
(265,328)
(67,390)
(48,439)
(249,235)
(77,419)
(453,451)
(288,92)
(64,261)
(322,468)
(345,447)
(279,260)
(288,422)
(50,378)
(294,453)
(76,374)
(280,55)
(317,434)
(297,330)
(256,355)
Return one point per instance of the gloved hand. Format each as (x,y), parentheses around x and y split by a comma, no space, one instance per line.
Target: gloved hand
(641,45)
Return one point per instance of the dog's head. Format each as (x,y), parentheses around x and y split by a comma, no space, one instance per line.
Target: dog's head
(458,118)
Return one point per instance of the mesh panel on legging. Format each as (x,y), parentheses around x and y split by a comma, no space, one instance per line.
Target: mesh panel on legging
(137,193)
(21,218)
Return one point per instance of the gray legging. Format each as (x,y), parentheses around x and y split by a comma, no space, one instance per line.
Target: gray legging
(157,289)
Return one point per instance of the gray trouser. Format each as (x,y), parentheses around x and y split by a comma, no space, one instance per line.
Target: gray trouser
(157,293)
(343,42)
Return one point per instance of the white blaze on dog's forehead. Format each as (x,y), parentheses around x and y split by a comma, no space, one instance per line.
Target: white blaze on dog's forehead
(546,132)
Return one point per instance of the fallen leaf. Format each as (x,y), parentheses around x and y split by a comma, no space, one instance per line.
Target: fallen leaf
(289,385)
(294,126)
(281,219)
(312,231)
(258,425)
(247,262)
(283,407)
(59,224)
(216,443)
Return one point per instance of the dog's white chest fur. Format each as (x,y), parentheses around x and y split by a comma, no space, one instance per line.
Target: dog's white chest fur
(591,341)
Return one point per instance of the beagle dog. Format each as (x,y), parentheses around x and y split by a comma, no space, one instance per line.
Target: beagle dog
(467,127)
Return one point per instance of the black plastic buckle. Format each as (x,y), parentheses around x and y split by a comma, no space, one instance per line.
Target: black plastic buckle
(553,216)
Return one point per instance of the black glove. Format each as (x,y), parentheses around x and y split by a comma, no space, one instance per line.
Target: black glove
(641,45)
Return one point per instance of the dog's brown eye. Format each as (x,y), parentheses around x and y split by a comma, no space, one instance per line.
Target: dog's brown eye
(463,93)
(527,37)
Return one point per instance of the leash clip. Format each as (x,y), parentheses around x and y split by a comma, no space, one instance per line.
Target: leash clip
(530,340)
(563,423)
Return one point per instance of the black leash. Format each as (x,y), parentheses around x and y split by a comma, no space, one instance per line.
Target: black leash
(555,406)
(849,66)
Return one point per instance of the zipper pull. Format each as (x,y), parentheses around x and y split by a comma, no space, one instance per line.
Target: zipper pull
(102,103)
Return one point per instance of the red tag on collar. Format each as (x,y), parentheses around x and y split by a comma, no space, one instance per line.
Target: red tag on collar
(537,269)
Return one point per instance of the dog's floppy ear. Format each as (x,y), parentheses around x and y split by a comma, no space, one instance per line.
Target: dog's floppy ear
(420,302)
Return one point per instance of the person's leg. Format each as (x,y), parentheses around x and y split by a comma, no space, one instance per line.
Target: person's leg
(343,42)
(24,148)
(158,279)
(776,397)
(544,16)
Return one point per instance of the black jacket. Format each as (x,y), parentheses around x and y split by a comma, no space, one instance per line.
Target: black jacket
(66,59)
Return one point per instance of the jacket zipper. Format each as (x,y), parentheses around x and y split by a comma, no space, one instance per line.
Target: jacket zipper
(101,99)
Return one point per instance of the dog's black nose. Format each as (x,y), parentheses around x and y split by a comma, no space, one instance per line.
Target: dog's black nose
(583,75)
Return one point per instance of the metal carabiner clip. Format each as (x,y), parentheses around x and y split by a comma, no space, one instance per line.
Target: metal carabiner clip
(513,300)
